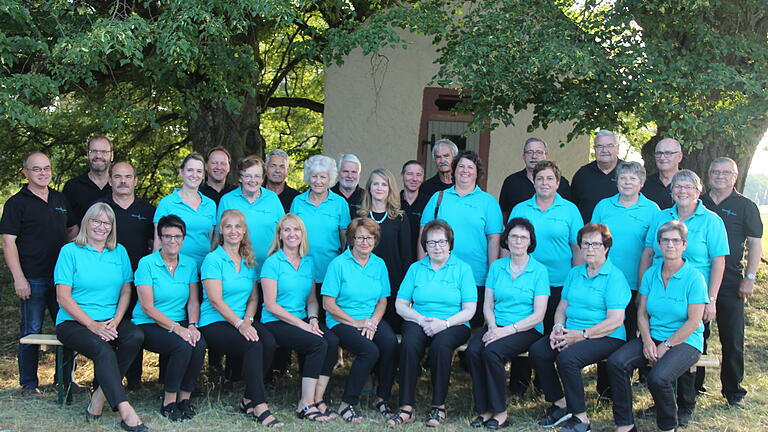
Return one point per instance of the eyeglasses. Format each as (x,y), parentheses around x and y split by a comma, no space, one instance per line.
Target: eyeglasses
(38,170)
(684,187)
(169,238)
(591,245)
(99,152)
(605,146)
(518,238)
(435,243)
(671,241)
(368,239)
(249,177)
(724,173)
(535,152)
(98,223)
(665,153)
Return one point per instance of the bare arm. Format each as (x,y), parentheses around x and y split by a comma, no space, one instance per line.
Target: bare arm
(754,252)
(407,312)
(147,302)
(715,278)
(213,290)
(578,258)
(11,254)
(646,259)
(156,242)
(420,252)
(343,238)
(123,302)
(493,247)
(488,306)
(269,288)
(330,306)
(72,232)
(193,304)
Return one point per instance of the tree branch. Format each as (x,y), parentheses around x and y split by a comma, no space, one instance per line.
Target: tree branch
(299,102)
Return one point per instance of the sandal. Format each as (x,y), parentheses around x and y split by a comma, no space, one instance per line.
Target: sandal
(328,412)
(353,416)
(307,413)
(398,419)
(478,422)
(383,408)
(262,419)
(434,419)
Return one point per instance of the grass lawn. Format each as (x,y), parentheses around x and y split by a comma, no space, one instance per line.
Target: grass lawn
(217,410)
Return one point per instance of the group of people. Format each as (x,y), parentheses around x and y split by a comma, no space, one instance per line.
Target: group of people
(610,267)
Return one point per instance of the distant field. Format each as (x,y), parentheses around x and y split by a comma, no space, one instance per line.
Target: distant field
(764,217)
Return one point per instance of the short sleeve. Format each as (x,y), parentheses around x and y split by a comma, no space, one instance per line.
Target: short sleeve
(597,214)
(619,293)
(344,219)
(717,237)
(542,282)
(573,272)
(143,275)
(384,278)
(161,210)
(468,286)
(333,279)
(211,206)
(126,264)
(223,205)
(753,225)
(10,223)
(271,268)
(428,214)
(406,286)
(576,223)
(495,223)
(490,281)
(697,289)
(650,236)
(211,268)
(645,283)
(64,272)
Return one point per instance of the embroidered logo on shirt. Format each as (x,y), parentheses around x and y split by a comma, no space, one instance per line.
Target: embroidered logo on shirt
(139,217)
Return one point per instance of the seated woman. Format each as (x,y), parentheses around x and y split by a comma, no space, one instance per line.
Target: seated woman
(167,312)
(671,303)
(589,326)
(93,287)
(516,295)
(229,304)
(290,314)
(437,298)
(355,295)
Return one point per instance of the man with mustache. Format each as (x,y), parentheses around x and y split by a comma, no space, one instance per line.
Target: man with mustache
(84,190)
(349,180)
(217,163)
(443,153)
(597,179)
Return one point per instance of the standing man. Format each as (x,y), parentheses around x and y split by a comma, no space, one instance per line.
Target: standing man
(217,163)
(36,223)
(86,189)
(518,186)
(412,202)
(135,231)
(597,179)
(658,186)
(348,185)
(443,153)
(277,170)
(744,228)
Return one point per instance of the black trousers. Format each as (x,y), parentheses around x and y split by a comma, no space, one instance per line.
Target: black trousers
(379,354)
(569,362)
(621,365)
(110,359)
(630,325)
(730,324)
(184,360)
(478,320)
(486,366)
(520,367)
(317,353)
(391,316)
(441,347)
(225,338)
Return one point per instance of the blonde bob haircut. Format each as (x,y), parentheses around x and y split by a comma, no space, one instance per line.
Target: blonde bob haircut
(277,243)
(393,197)
(93,212)
(245,250)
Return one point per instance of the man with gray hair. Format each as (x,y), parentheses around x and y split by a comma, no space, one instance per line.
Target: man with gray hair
(443,153)
(597,179)
(348,186)
(658,186)
(745,229)
(277,171)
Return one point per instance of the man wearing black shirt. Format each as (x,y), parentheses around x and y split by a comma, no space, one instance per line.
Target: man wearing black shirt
(412,202)
(217,163)
(744,227)
(518,187)
(277,170)
(596,180)
(658,186)
(348,185)
(443,153)
(36,223)
(86,189)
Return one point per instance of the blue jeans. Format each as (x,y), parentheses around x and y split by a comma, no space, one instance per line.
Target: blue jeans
(32,311)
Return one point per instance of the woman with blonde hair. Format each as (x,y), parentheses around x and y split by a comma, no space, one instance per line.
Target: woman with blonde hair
(290,314)
(381,203)
(227,313)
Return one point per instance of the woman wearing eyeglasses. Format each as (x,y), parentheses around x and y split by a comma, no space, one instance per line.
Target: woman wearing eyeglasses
(672,298)
(355,295)
(437,298)
(589,326)
(167,312)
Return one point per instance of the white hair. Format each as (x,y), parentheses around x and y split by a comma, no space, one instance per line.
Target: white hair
(280,153)
(604,132)
(445,142)
(320,164)
(349,157)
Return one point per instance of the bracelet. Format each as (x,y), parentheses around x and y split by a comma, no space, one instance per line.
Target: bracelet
(238,324)
(249,317)
(193,324)
(311,318)
(447,323)
(558,324)
(514,326)
(170,330)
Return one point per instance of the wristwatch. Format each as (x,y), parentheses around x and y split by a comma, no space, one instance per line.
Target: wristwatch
(585,333)
(667,344)
(751,276)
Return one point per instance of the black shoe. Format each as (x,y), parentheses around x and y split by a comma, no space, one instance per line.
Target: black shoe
(186,407)
(138,428)
(737,403)
(574,424)
(31,392)
(683,418)
(133,385)
(555,415)
(172,412)
(494,424)
(478,422)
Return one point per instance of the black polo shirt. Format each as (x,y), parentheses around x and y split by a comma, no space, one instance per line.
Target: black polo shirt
(654,190)
(414,211)
(517,188)
(742,220)
(135,229)
(354,200)
(81,192)
(40,228)
(590,184)
(213,194)
(432,185)
(287,196)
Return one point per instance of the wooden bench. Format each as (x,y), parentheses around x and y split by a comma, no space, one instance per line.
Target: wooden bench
(64,363)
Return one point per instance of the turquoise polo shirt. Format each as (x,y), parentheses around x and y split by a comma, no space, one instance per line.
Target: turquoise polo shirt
(472,217)
(438,294)
(589,298)
(629,227)
(707,237)
(668,306)
(169,293)
(293,286)
(556,230)
(261,217)
(236,287)
(200,222)
(96,279)
(513,298)
(323,223)
(356,288)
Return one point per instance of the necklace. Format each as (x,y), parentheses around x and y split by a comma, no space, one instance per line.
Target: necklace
(378,221)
